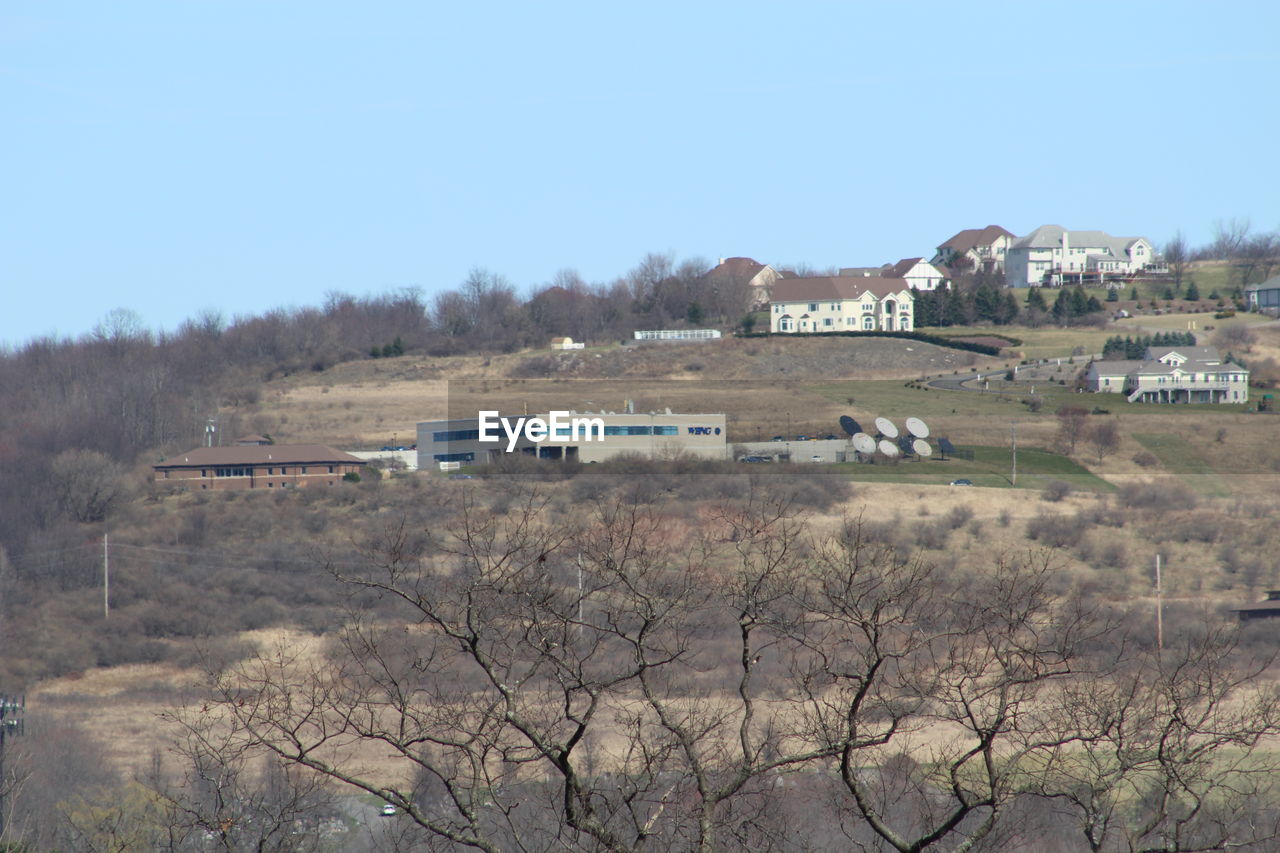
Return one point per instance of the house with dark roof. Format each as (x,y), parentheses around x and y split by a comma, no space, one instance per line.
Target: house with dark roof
(1171,375)
(1264,296)
(1052,256)
(841,304)
(982,248)
(746,272)
(257,466)
(1267,609)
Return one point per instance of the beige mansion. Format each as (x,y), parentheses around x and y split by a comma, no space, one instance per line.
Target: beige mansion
(841,304)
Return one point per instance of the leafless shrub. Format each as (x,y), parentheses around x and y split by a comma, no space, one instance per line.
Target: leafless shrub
(932,535)
(1055,490)
(1052,530)
(959,516)
(1145,459)
(1162,496)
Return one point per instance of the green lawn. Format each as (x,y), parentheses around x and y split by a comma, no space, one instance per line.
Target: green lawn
(991,467)
(1043,342)
(1180,457)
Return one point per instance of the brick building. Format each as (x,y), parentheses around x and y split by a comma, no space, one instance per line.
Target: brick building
(258,466)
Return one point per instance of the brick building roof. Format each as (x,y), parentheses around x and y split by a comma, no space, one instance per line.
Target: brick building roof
(278,454)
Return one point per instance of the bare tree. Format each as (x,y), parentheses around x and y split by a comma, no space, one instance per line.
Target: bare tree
(87,484)
(1072,423)
(1104,438)
(1229,237)
(1177,254)
(1236,337)
(635,679)
(1164,757)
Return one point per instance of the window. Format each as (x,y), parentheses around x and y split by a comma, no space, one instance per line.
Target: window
(454,457)
(628,430)
(826,321)
(204,473)
(331,471)
(813,306)
(455,435)
(868,323)
(666,430)
(271,485)
(304,469)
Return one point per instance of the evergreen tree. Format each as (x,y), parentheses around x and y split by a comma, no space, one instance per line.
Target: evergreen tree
(1009,314)
(1193,292)
(985,304)
(1093,305)
(1113,295)
(1035,299)
(1079,302)
(1133,293)
(1061,306)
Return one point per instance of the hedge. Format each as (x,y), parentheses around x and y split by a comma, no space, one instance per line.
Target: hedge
(936,340)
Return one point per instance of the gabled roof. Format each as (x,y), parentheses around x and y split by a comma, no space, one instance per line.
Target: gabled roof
(902,267)
(744,267)
(864,272)
(1050,237)
(1199,354)
(1272,283)
(1113,368)
(828,288)
(971,237)
(280,454)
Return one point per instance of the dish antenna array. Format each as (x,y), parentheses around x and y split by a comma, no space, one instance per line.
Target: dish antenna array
(888,441)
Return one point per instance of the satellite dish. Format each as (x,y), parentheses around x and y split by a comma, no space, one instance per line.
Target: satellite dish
(864,443)
(888,448)
(921,447)
(917,428)
(849,425)
(886,428)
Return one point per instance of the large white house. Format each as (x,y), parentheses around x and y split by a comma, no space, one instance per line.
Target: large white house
(1172,375)
(841,304)
(1052,255)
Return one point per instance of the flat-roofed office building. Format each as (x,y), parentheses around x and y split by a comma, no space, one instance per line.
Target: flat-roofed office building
(655,435)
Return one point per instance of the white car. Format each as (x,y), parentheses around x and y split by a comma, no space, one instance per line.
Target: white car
(388,810)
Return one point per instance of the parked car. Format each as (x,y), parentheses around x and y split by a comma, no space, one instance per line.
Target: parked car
(830,437)
(388,810)
(962,482)
(777,438)
(802,438)
(461,477)
(755,459)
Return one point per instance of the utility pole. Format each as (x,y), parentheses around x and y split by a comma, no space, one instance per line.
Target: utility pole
(11,725)
(1159,610)
(1013,479)
(106,578)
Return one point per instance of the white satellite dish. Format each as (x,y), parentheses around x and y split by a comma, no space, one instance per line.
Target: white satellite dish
(888,448)
(886,428)
(917,428)
(863,443)
(921,447)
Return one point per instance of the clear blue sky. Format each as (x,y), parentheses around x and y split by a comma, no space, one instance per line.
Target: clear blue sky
(173,156)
